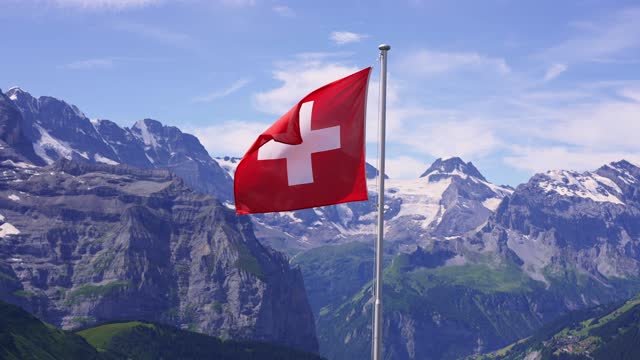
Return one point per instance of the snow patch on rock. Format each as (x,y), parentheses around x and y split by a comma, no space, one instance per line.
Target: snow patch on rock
(587,185)
(101,159)
(7,229)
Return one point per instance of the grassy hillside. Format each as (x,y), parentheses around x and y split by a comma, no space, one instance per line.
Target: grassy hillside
(23,337)
(141,341)
(609,332)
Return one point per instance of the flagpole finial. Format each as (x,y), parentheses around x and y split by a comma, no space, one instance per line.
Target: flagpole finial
(384,47)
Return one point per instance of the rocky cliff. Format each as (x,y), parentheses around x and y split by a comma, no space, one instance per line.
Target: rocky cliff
(59,130)
(84,242)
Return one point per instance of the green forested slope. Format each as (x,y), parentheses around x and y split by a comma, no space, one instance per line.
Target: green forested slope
(24,337)
(610,332)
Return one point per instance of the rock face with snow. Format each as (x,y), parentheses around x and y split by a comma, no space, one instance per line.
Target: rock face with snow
(587,221)
(15,146)
(450,199)
(82,244)
(60,130)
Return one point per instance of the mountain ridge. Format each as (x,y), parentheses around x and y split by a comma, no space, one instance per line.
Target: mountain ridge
(147,144)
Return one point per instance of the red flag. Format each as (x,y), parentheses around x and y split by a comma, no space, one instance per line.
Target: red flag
(312,156)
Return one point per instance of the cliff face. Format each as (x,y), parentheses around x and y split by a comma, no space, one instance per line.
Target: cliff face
(83,243)
(56,130)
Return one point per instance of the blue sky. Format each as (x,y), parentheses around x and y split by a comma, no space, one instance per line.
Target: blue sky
(517,87)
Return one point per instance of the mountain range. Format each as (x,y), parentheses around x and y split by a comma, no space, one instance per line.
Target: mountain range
(561,242)
(471,266)
(86,239)
(59,130)
(449,199)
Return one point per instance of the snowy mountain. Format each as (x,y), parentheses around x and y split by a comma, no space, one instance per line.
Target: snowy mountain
(587,222)
(562,241)
(83,242)
(448,200)
(59,130)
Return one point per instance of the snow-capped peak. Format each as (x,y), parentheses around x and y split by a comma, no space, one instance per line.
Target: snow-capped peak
(450,167)
(622,172)
(587,185)
(372,172)
(16,92)
(229,164)
(145,134)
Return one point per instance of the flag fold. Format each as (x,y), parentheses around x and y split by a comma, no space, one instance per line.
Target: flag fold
(312,156)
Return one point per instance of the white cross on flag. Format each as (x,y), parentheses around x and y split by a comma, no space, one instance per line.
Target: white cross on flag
(312,156)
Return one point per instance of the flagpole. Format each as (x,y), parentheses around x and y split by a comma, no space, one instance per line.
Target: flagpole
(377,315)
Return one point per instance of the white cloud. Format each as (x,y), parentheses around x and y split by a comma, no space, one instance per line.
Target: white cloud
(427,62)
(540,159)
(222,93)
(109,62)
(601,126)
(318,56)
(554,71)
(90,64)
(104,4)
(297,79)
(131,4)
(166,36)
(578,130)
(346,37)
(598,41)
(284,11)
(631,94)
(469,139)
(238,3)
(232,138)
(404,167)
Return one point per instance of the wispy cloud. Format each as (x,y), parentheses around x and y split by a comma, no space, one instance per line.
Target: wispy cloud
(298,78)
(90,64)
(238,3)
(540,159)
(404,167)
(108,62)
(103,4)
(284,11)
(173,38)
(346,37)
(599,41)
(554,71)
(428,62)
(322,56)
(222,93)
(470,139)
(238,136)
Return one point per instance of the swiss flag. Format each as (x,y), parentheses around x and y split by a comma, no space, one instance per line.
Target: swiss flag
(312,156)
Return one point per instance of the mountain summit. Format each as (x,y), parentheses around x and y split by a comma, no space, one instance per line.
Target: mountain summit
(453,166)
(59,130)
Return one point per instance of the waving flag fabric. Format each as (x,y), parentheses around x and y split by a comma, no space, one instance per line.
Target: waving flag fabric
(312,156)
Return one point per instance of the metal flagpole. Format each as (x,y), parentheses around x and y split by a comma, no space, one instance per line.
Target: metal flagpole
(377,315)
